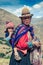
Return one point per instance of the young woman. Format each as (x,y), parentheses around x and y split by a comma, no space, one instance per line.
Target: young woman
(22,40)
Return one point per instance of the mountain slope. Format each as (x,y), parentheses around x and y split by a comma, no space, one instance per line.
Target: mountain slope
(7,16)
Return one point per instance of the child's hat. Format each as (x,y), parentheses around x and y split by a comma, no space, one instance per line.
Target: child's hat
(9,24)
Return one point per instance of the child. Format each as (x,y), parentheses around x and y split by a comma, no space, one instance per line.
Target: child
(8,34)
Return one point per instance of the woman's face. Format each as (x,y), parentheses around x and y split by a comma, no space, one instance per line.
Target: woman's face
(10,29)
(26,20)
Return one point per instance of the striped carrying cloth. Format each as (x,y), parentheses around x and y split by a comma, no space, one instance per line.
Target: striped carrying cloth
(19,32)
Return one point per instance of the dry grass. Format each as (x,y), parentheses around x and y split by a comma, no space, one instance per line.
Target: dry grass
(4,61)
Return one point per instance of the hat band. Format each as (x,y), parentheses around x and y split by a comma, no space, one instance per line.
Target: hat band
(25,13)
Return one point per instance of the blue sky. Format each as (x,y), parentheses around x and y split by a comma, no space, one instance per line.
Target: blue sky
(15,6)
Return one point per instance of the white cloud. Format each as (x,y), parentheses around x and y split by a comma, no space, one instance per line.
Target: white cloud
(30,8)
(36,9)
(41,4)
(19,10)
(38,5)
(38,16)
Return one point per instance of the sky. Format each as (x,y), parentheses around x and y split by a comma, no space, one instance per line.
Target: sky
(15,6)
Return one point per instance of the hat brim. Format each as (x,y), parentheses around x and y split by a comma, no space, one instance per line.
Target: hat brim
(26,15)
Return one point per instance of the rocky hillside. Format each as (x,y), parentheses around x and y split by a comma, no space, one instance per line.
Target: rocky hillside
(7,16)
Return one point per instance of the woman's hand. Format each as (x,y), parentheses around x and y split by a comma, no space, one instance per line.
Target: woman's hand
(36,43)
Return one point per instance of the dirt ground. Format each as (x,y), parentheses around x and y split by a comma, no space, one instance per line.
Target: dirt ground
(6,61)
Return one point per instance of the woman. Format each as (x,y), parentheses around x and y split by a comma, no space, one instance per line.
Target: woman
(22,40)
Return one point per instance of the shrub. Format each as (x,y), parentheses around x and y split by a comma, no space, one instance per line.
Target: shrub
(2,54)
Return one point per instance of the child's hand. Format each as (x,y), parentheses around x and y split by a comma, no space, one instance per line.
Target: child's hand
(10,33)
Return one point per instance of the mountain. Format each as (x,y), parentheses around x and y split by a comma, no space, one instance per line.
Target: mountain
(7,16)
(37,20)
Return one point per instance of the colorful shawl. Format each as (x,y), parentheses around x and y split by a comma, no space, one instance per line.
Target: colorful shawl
(19,32)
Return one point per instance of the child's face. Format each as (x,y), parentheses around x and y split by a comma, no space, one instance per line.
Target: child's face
(10,29)
(26,20)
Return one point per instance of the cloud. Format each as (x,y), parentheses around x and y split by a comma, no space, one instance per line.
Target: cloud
(38,5)
(16,11)
(36,9)
(38,16)
(19,11)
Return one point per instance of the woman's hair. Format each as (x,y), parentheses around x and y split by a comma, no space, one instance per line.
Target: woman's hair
(22,21)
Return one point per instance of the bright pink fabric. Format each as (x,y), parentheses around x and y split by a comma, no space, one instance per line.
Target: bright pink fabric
(22,43)
(10,24)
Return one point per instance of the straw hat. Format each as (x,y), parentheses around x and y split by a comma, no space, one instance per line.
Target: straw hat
(25,12)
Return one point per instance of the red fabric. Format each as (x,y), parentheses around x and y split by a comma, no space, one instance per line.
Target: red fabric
(23,51)
(22,43)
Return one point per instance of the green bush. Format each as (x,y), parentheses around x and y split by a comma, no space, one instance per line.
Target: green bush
(2,54)
(1,38)
(0,42)
(8,57)
(42,56)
